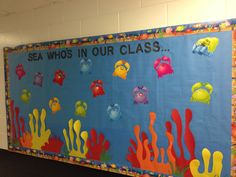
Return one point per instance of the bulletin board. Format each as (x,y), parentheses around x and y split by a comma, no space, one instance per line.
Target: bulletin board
(151,102)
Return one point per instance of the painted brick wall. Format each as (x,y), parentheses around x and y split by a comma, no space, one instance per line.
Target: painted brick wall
(77,18)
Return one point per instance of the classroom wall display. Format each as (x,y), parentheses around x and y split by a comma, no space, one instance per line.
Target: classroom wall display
(158,102)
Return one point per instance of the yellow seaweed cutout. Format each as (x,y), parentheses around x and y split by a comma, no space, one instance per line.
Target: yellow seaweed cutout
(74,131)
(216,168)
(38,138)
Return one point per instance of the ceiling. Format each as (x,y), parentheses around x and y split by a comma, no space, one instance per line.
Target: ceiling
(8,7)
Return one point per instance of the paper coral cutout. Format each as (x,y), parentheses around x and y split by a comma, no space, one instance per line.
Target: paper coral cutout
(26,140)
(54,144)
(146,161)
(18,127)
(216,167)
(182,164)
(39,137)
(131,156)
(74,131)
(97,146)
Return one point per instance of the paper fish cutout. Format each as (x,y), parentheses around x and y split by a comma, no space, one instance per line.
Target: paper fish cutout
(20,72)
(59,77)
(163,66)
(122,68)
(38,79)
(201,92)
(140,95)
(205,46)
(25,96)
(113,111)
(54,105)
(97,88)
(81,108)
(85,65)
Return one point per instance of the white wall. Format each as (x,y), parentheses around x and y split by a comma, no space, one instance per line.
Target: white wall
(77,18)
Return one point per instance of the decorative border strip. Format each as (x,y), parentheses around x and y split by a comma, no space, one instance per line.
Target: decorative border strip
(155,33)
(233,142)
(172,31)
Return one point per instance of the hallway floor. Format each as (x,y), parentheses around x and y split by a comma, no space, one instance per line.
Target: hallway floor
(18,165)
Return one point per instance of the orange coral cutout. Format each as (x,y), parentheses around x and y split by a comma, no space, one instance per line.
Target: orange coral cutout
(146,162)
(26,140)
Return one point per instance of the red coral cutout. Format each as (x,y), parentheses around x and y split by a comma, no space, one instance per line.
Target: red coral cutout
(12,112)
(132,156)
(97,145)
(54,144)
(23,137)
(181,162)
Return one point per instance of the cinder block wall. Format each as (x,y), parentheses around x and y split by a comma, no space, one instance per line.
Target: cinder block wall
(77,18)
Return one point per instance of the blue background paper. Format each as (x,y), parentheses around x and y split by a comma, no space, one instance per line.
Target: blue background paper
(211,124)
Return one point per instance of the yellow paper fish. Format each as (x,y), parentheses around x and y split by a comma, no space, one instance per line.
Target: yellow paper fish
(122,68)
(201,92)
(54,105)
(210,42)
